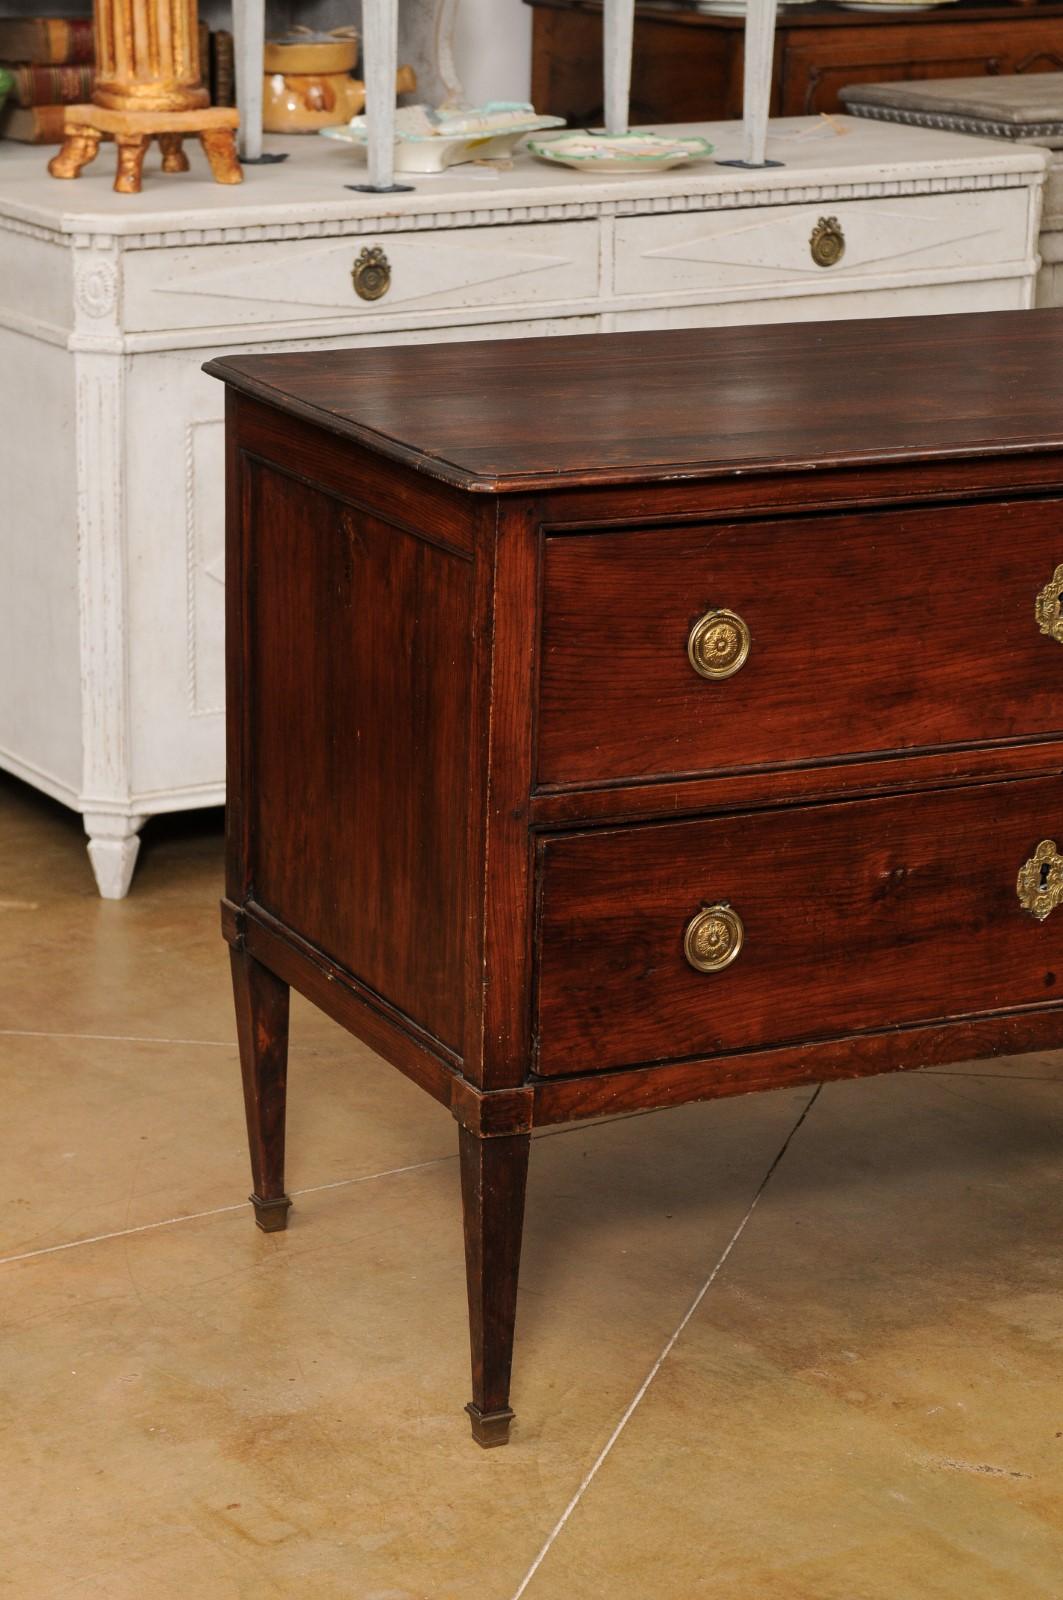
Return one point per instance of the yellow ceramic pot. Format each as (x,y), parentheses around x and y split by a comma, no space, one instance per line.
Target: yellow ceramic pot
(308,83)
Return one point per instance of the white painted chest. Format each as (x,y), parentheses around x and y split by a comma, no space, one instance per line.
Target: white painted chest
(111,438)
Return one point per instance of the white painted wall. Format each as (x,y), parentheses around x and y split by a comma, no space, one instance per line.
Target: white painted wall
(493,49)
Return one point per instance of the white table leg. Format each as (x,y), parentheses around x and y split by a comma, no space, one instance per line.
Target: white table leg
(619,38)
(756,88)
(113,845)
(249,44)
(380,60)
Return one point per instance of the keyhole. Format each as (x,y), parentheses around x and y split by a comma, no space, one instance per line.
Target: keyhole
(1046,873)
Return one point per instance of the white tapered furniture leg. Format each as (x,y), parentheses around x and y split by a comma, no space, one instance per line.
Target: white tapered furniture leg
(619,41)
(756,92)
(380,59)
(113,845)
(249,45)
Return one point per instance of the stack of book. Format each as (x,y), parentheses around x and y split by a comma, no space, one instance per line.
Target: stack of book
(51,61)
(222,68)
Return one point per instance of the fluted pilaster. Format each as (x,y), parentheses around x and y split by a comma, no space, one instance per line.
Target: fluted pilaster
(147,55)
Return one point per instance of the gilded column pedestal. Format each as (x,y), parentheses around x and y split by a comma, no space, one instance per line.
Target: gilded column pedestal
(148,86)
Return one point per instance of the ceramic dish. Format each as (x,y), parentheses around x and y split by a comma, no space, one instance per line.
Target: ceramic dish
(596,151)
(429,141)
(302,51)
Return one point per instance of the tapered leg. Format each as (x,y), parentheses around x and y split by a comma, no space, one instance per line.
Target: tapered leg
(219,147)
(249,29)
(262,1028)
(113,845)
(173,155)
(132,148)
(493,1177)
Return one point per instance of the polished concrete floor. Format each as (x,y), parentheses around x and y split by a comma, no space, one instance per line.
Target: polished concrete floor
(793,1347)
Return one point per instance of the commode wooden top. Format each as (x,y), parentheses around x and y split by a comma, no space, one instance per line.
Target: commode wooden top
(511,415)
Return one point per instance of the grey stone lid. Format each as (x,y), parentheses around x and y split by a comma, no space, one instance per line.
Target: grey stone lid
(1026,106)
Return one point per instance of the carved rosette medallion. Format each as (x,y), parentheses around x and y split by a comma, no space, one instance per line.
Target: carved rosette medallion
(721,645)
(96,288)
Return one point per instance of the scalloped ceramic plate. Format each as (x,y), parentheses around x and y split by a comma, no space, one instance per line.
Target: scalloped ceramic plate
(594,151)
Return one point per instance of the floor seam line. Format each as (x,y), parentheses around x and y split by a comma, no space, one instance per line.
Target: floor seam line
(315,1188)
(218,1211)
(633,1405)
(112,1038)
(1003,1077)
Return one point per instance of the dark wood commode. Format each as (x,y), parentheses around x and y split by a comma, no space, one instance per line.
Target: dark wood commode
(618,721)
(688,64)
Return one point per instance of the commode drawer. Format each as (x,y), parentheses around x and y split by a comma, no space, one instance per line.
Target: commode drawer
(819,246)
(812,922)
(368,277)
(707,648)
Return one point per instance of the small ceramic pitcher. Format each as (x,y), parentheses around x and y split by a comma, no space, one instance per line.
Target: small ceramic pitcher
(308,83)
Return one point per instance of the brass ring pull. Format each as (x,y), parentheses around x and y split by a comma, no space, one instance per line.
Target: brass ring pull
(827,242)
(1047,607)
(718,644)
(371,274)
(1040,881)
(713,938)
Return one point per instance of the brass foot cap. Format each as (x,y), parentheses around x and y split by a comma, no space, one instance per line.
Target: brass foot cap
(489,1428)
(271,1215)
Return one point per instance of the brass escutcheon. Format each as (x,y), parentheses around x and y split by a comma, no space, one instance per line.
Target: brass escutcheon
(718,644)
(1047,607)
(1040,881)
(827,242)
(713,938)
(371,274)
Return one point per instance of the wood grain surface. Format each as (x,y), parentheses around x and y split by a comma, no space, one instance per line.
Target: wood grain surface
(884,631)
(858,916)
(688,402)
(360,641)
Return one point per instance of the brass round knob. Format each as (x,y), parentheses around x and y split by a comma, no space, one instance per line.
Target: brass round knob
(371,274)
(713,938)
(718,644)
(827,242)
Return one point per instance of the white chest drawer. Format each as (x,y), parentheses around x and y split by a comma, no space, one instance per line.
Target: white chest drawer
(797,247)
(429,273)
